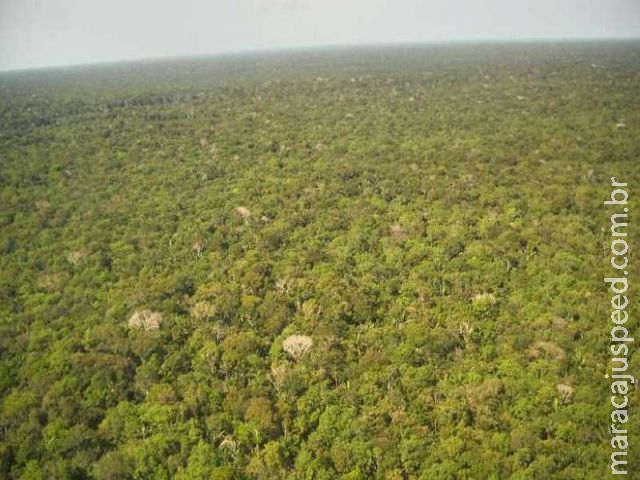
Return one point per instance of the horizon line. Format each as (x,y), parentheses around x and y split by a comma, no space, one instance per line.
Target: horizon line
(319,47)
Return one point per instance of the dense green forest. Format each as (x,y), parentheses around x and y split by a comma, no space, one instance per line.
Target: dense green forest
(379,263)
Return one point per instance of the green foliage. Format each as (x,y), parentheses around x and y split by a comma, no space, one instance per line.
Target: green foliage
(429,217)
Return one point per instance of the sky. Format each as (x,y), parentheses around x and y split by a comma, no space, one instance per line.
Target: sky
(42,33)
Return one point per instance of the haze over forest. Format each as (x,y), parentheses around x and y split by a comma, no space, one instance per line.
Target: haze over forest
(62,32)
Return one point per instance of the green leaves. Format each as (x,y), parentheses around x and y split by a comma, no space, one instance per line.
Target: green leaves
(428,217)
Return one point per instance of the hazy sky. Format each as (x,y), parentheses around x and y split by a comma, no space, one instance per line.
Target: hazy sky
(58,32)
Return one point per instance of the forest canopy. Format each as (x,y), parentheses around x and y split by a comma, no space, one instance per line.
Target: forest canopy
(382,263)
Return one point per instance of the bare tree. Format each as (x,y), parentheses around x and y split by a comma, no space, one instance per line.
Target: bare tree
(297,345)
(146,319)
